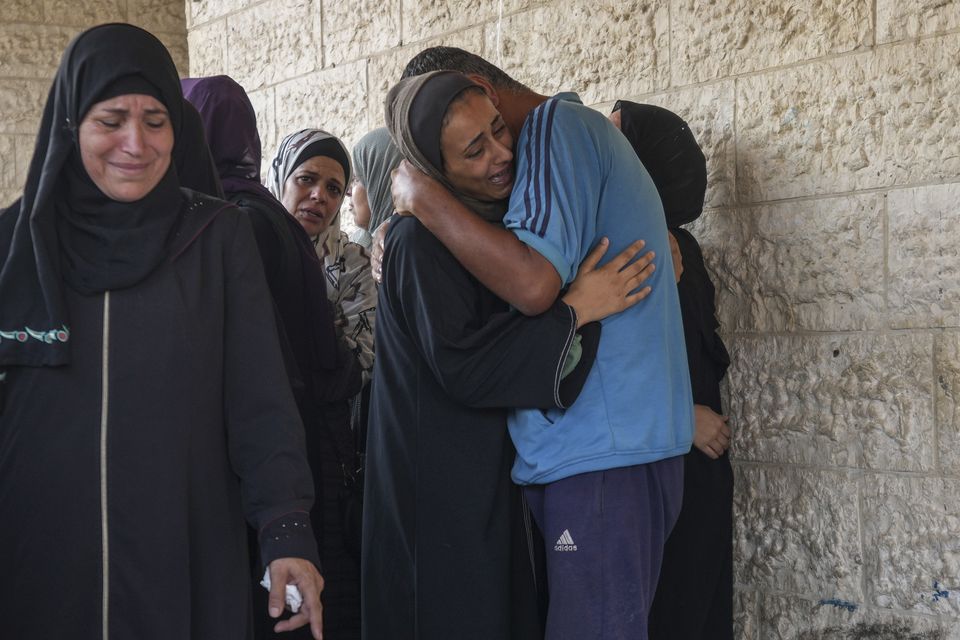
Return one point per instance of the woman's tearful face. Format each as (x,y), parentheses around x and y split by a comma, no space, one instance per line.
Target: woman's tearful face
(125,145)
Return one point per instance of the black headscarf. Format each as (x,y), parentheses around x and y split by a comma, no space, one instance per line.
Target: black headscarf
(63,229)
(670,154)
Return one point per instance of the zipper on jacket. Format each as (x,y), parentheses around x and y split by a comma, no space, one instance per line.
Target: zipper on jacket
(104,405)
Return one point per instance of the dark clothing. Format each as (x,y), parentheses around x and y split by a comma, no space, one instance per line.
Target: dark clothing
(172,422)
(326,380)
(604,533)
(195,166)
(323,372)
(438,516)
(695,596)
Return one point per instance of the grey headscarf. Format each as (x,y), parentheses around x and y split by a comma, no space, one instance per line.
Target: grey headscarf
(374,158)
(404,115)
(296,149)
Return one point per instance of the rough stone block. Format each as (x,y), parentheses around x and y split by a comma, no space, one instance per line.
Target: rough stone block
(797,530)
(879,119)
(208,49)
(923,256)
(8,165)
(21,11)
(199,13)
(32,51)
(946,352)
(300,103)
(912,551)
(745,615)
(158,15)
(176,44)
(709,110)
(860,400)
(274,41)
(829,618)
(352,30)
(601,49)
(717,39)
(901,19)
(811,264)
(21,103)
(429,18)
(384,71)
(84,13)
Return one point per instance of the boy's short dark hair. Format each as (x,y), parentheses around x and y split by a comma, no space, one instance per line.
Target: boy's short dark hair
(454,59)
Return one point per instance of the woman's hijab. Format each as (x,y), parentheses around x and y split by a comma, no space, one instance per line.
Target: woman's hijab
(414,112)
(64,229)
(195,166)
(374,158)
(230,123)
(670,154)
(296,149)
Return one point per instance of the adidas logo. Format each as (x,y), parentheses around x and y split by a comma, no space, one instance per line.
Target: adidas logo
(565,542)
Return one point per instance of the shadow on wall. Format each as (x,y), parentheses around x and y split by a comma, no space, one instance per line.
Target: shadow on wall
(875,631)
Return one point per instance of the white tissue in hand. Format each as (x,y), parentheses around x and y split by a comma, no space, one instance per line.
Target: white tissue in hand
(294,599)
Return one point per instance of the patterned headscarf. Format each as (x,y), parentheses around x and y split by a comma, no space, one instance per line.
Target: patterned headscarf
(296,149)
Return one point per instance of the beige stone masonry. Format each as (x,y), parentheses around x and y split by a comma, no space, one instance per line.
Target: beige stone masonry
(32,51)
(903,19)
(814,264)
(832,135)
(273,42)
(848,400)
(947,369)
(717,39)
(924,256)
(911,546)
(354,30)
(831,618)
(609,48)
(797,531)
(884,118)
(300,106)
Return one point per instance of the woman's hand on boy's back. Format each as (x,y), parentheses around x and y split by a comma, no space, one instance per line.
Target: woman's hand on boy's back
(600,292)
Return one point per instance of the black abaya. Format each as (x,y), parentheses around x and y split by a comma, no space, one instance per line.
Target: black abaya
(439,505)
(694,599)
(176,411)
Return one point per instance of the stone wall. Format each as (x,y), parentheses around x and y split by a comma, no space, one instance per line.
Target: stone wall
(832,227)
(831,129)
(33,35)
